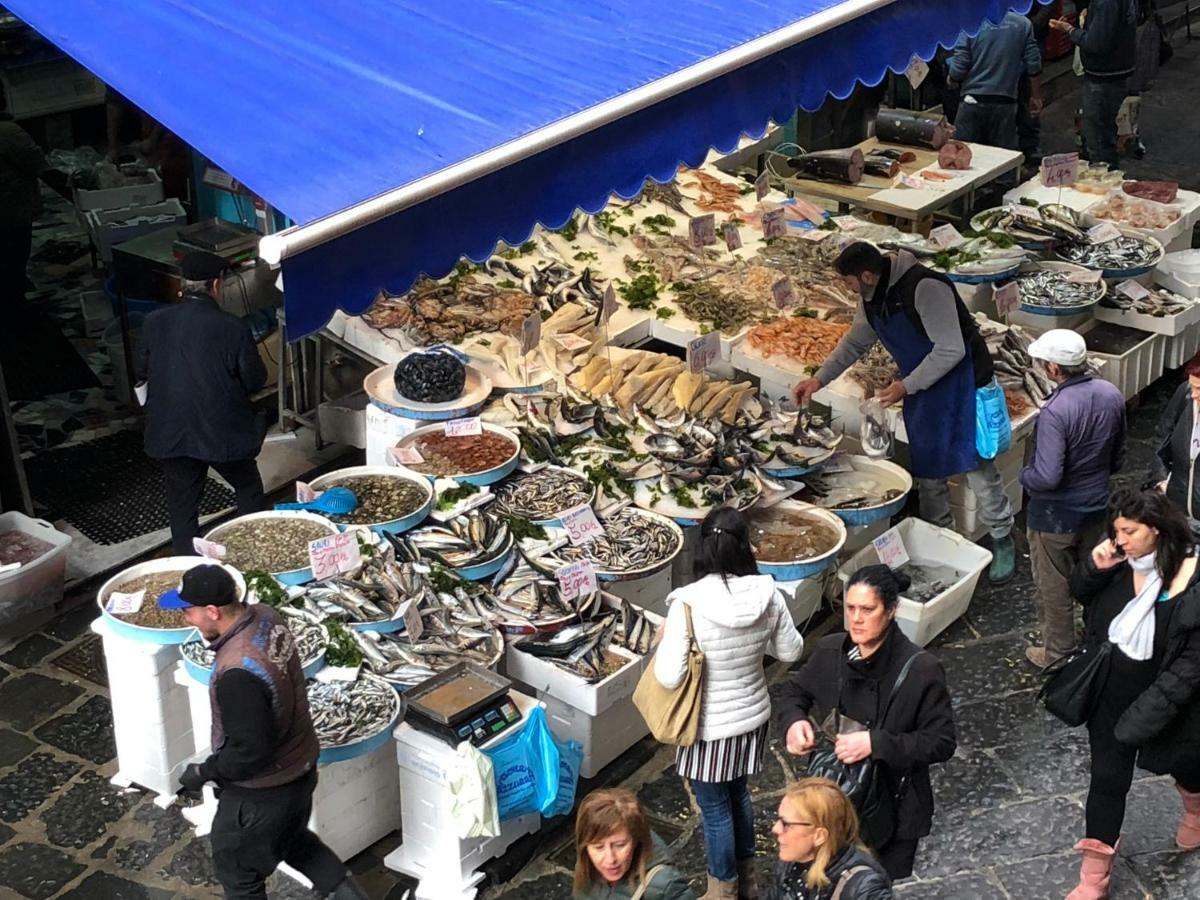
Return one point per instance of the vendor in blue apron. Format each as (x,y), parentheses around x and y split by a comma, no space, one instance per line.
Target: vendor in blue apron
(919,318)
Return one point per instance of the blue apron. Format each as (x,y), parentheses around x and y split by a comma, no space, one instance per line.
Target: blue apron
(940,420)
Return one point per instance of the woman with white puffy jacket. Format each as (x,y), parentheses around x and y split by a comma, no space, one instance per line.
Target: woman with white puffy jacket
(737,617)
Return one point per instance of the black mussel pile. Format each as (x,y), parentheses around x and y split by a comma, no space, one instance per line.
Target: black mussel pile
(436,376)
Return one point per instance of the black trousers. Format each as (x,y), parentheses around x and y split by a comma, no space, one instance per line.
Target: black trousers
(897,857)
(185,484)
(251,837)
(15,244)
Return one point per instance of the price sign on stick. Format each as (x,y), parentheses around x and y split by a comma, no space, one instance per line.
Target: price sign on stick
(945,236)
(773,224)
(211,549)
(702,230)
(577,579)
(916,72)
(334,555)
(1103,233)
(1133,290)
(891,550)
(413,624)
(762,186)
(1060,169)
(531,333)
(1007,298)
(703,351)
(610,305)
(123,604)
(784,293)
(582,525)
(733,237)
(463,427)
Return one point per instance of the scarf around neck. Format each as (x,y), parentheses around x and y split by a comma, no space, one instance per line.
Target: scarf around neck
(1133,627)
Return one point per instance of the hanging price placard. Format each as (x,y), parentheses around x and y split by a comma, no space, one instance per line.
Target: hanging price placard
(405,456)
(334,555)
(571,342)
(847,222)
(814,234)
(917,72)
(910,181)
(703,351)
(773,224)
(733,237)
(1133,290)
(577,579)
(1007,298)
(702,230)
(784,293)
(1103,233)
(1085,276)
(945,236)
(124,604)
(304,493)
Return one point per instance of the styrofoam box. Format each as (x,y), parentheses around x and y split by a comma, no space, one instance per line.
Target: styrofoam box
(109,227)
(604,737)
(1168,325)
(1137,368)
(357,801)
(649,593)
(38,585)
(925,543)
(383,431)
(1182,347)
(151,191)
(802,597)
(1180,272)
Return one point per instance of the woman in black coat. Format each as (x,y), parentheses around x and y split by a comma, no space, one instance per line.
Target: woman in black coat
(1172,441)
(1141,593)
(854,674)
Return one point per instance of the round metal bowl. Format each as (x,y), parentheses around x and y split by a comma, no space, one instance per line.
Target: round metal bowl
(989,278)
(870,514)
(487,476)
(613,575)
(794,570)
(295,576)
(381,390)
(310,667)
(1060,311)
(1133,271)
(354,749)
(556,520)
(154,566)
(490,567)
(1040,245)
(395,526)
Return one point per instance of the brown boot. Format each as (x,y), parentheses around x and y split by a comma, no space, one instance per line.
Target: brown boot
(1095,871)
(1188,835)
(720,890)
(747,881)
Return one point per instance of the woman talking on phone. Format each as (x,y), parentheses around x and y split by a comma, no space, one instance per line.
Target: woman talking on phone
(1139,591)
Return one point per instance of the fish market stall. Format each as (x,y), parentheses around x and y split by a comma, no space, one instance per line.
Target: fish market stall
(1156,310)
(1132,359)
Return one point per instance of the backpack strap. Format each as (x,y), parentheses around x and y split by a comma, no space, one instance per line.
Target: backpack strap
(843,880)
(637,895)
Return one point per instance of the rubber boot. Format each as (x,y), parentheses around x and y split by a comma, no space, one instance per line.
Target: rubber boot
(1095,871)
(721,890)
(1188,835)
(747,880)
(1004,560)
(348,889)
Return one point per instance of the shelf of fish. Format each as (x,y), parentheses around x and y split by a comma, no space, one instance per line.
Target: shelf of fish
(1058,289)
(858,490)
(592,664)
(353,718)
(479,459)
(795,540)
(275,542)
(476,545)
(1128,255)
(432,384)
(387,499)
(978,260)
(311,642)
(129,600)
(1152,309)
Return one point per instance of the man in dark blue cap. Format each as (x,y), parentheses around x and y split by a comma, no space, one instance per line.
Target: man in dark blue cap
(264,747)
(201,367)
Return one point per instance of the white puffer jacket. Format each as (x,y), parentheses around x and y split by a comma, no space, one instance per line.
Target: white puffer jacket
(735,626)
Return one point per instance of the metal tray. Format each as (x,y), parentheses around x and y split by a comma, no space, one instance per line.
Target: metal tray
(497,686)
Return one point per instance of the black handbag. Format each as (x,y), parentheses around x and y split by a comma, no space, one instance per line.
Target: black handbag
(867,783)
(1071,689)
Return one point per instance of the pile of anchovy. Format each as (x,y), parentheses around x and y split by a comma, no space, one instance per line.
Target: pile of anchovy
(435,376)
(633,541)
(1050,288)
(468,540)
(543,495)
(1125,252)
(347,712)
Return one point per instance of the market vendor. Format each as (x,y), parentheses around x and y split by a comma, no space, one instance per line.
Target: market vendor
(201,367)
(264,759)
(917,315)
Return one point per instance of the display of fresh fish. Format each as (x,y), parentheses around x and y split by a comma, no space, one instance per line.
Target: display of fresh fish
(345,712)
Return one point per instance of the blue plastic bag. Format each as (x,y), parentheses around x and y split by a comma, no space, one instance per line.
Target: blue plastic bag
(993,430)
(526,769)
(570,758)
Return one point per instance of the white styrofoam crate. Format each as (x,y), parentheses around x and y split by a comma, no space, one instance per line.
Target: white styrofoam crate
(802,597)
(649,592)
(1168,325)
(550,680)
(357,801)
(1179,271)
(604,737)
(925,543)
(1182,347)
(150,191)
(109,227)
(1137,368)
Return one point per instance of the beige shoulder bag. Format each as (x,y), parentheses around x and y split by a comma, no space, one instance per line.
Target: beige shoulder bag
(637,895)
(673,714)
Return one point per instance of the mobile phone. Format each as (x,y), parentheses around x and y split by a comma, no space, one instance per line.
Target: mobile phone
(1118,550)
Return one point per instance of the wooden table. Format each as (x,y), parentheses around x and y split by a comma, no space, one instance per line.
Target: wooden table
(875,193)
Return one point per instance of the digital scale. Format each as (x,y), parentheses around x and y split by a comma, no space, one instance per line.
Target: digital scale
(464,703)
(232,242)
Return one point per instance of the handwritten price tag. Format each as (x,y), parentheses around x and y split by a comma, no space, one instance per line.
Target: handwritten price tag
(211,549)
(577,579)
(916,72)
(703,351)
(1103,233)
(762,186)
(773,224)
(123,604)
(1025,212)
(733,237)
(1007,297)
(334,555)
(413,624)
(531,333)
(784,293)
(1060,169)
(946,236)
(1085,276)
(609,306)
(847,222)
(405,456)
(582,525)
(814,234)
(891,550)
(571,342)
(463,427)
(702,230)
(304,493)
(1133,290)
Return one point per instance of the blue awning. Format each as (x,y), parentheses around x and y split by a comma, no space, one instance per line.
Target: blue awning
(403,134)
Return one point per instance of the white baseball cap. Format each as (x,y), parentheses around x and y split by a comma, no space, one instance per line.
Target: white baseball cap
(1060,345)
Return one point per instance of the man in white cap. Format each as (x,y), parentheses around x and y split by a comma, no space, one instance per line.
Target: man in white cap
(1078,443)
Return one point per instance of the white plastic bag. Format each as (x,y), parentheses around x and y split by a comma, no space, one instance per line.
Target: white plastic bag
(473,784)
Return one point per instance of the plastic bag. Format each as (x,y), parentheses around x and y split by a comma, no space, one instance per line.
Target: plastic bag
(472,782)
(993,430)
(875,432)
(526,768)
(570,758)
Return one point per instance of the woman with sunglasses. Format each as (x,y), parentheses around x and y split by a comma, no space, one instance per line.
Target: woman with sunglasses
(820,855)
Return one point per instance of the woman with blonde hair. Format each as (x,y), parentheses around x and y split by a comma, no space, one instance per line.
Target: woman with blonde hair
(616,855)
(820,855)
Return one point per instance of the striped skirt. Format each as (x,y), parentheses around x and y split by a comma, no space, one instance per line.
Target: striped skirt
(724,759)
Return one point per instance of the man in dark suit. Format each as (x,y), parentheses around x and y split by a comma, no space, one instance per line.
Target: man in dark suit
(201,367)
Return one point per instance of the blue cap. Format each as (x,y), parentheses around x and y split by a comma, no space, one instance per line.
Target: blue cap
(172,599)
